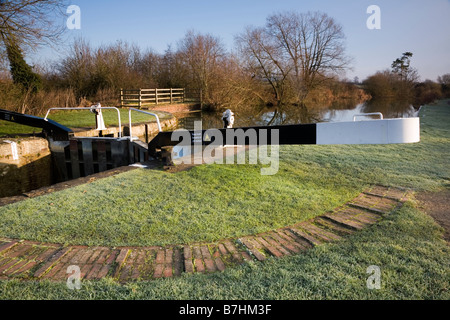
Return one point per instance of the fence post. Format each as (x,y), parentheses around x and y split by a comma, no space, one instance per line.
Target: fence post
(139,102)
(121,97)
(171,100)
(156,96)
(201,99)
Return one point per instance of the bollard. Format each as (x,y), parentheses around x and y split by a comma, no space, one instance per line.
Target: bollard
(228,119)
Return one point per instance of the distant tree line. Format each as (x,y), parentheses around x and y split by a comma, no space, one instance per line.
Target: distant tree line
(401,82)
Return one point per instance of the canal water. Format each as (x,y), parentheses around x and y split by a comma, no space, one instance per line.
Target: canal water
(298,114)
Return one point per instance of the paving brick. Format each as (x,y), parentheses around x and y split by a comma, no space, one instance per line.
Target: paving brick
(5,246)
(187,252)
(25,268)
(352,217)
(334,227)
(141,256)
(294,239)
(8,265)
(246,256)
(17,266)
(197,253)
(199,267)
(160,256)
(159,268)
(85,270)
(272,239)
(364,216)
(222,249)
(123,273)
(299,232)
(169,256)
(76,259)
(273,251)
(168,271)
(121,269)
(177,262)
(371,208)
(253,249)
(374,203)
(87,255)
(188,266)
(210,265)
(103,254)
(237,257)
(142,265)
(319,233)
(378,190)
(122,256)
(231,248)
(4,260)
(291,239)
(389,193)
(219,264)
(104,271)
(18,250)
(330,235)
(205,252)
(288,244)
(126,269)
(111,256)
(53,260)
(36,252)
(94,255)
(57,272)
(342,220)
(216,253)
(93,273)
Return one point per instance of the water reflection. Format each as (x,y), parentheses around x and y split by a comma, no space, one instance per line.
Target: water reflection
(300,114)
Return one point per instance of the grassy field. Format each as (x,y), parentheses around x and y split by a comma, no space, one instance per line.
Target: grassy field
(145,207)
(208,203)
(407,246)
(81,119)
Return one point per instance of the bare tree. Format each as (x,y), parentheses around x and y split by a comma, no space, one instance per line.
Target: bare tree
(304,49)
(31,22)
(202,55)
(263,59)
(314,45)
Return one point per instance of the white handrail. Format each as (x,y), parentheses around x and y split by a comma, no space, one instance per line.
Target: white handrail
(90,109)
(369,114)
(141,111)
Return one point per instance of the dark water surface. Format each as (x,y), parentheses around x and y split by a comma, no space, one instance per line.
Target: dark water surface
(299,115)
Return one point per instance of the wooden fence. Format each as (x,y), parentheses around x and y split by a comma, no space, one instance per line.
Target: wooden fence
(141,98)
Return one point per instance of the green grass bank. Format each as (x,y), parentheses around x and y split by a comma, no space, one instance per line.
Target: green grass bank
(212,202)
(146,207)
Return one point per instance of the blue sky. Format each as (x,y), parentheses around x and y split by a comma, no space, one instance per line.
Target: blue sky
(419,26)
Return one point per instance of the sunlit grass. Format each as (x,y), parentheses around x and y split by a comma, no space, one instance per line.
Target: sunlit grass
(208,203)
(407,247)
(82,119)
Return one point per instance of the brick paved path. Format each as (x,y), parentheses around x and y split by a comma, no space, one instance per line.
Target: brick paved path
(35,260)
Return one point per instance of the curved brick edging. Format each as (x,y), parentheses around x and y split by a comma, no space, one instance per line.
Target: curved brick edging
(35,260)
